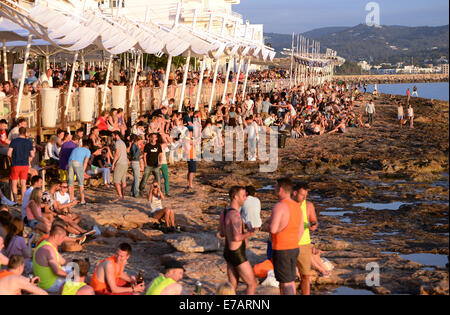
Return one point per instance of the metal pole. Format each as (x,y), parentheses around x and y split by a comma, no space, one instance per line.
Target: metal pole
(246,78)
(202,73)
(83,67)
(72,76)
(213,86)
(166,78)
(237,79)
(185,75)
(134,79)
(292,61)
(108,73)
(5,61)
(230,62)
(24,71)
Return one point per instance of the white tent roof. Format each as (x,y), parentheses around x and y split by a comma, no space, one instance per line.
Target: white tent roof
(69,31)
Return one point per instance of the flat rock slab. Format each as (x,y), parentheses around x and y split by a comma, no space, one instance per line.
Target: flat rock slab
(120,218)
(194,243)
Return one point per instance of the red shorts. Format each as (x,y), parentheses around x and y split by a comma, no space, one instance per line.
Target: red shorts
(19,172)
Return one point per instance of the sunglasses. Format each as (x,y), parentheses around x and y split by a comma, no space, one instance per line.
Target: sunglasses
(64,186)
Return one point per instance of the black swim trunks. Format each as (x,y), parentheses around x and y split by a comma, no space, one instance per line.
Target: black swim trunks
(235,257)
(285,263)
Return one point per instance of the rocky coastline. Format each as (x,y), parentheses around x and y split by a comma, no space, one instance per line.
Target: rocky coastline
(392,79)
(381,195)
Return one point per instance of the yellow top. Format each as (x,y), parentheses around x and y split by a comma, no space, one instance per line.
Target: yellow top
(46,275)
(306,238)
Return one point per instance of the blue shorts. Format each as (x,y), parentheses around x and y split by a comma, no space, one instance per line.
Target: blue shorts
(192,166)
(400,117)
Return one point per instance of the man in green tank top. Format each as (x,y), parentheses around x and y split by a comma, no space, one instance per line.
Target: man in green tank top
(299,194)
(48,263)
(167,284)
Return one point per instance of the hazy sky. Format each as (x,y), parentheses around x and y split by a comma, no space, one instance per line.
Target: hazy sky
(287,16)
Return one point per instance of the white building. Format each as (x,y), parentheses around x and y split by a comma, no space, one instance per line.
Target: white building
(444,68)
(365,66)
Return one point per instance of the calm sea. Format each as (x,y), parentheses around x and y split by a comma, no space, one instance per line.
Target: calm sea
(437,91)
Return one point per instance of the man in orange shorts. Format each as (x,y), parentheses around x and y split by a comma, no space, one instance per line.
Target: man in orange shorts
(20,151)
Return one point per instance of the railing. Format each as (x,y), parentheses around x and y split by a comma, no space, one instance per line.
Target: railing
(144,100)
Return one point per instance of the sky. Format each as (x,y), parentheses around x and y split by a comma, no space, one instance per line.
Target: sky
(298,16)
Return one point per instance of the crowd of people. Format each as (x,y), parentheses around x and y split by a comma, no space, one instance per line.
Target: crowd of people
(113,146)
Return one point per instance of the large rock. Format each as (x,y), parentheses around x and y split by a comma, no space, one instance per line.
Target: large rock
(194,243)
(120,218)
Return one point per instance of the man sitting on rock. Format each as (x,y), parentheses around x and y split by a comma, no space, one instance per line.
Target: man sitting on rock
(109,277)
(78,286)
(167,284)
(12,282)
(48,262)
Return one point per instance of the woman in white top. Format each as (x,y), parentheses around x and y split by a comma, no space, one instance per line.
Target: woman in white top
(155,198)
(52,151)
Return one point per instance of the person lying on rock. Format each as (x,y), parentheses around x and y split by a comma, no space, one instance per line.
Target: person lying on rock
(155,198)
(110,278)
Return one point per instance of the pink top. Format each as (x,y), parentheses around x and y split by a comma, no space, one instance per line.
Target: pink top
(38,209)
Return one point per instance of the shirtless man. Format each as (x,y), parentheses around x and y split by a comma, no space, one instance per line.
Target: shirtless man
(12,282)
(109,277)
(232,228)
(299,194)
(48,262)
(167,284)
(286,228)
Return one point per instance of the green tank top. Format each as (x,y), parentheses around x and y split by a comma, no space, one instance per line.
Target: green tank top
(46,275)
(306,238)
(71,288)
(159,284)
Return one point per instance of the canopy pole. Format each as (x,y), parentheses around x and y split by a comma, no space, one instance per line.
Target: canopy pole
(72,76)
(137,64)
(166,78)
(292,61)
(237,79)
(108,73)
(24,71)
(230,62)
(246,78)
(185,75)
(202,73)
(5,61)
(214,85)
(83,67)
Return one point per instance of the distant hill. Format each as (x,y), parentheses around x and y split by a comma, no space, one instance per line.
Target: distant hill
(382,44)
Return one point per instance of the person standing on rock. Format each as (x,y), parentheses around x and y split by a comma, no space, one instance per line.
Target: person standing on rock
(370,110)
(400,114)
(120,165)
(233,229)
(152,162)
(299,194)
(415,91)
(408,94)
(286,227)
(411,116)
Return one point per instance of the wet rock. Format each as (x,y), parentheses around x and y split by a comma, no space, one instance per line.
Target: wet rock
(194,243)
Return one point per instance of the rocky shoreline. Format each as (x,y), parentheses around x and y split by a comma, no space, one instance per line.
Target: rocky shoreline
(381,194)
(392,79)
